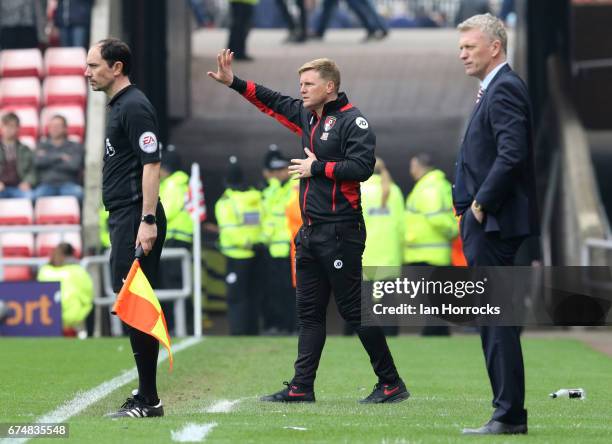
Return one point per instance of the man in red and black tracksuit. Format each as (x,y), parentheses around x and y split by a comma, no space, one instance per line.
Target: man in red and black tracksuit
(339,147)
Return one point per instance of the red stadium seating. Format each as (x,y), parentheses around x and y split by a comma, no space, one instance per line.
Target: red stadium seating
(17,244)
(46,242)
(65,61)
(28,120)
(57,210)
(16,212)
(29,141)
(20,91)
(73,114)
(21,63)
(17,273)
(65,90)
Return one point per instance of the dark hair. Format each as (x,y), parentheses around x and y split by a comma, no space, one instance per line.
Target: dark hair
(114,50)
(66,249)
(10,117)
(424,160)
(59,116)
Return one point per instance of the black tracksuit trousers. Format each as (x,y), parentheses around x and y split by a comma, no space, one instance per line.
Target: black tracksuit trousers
(328,259)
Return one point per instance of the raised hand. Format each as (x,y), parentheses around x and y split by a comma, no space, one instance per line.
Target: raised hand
(224,72)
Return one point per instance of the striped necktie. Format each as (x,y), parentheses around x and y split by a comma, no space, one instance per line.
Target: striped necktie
(480,94)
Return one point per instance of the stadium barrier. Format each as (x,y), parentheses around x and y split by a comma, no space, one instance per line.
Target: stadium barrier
(177,295)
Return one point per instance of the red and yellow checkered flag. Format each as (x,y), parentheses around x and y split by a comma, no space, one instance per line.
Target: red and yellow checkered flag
(138,307)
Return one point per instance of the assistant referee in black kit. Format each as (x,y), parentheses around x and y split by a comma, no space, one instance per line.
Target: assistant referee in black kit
(130,192)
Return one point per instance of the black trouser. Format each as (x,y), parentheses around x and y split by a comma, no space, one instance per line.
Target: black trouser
(328,259)
(242,15)
(243,283)
(431,330)
(362,10)
(278,298)
(501,345)
(123,224)
(291,25)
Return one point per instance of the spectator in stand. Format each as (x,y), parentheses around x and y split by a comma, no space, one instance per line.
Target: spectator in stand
(76,288)
(59,162)
(241,24)
(17,173)
(468,8)
(297,31)
(365,11)
(22,23)
(424,19)
(73,18)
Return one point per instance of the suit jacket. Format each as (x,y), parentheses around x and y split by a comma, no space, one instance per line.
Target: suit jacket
(495,165)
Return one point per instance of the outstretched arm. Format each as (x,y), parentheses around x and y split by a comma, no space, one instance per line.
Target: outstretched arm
(286,110)
(224,73)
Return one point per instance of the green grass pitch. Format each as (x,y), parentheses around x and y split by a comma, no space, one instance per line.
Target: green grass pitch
(446,377)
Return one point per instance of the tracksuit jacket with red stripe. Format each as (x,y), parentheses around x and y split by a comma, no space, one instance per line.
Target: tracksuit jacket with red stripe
(342,141)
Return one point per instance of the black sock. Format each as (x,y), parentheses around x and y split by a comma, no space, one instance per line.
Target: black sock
(145,349)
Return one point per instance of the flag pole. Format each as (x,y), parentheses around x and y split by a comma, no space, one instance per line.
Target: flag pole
(197,250)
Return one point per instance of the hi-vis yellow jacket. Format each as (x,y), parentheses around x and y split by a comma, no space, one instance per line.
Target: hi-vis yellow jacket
(276,233)
(430,221)
(239,215)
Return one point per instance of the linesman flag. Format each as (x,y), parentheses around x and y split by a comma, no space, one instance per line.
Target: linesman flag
(138,306)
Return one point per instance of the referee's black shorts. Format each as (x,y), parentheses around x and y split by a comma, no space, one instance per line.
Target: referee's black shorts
(123,224)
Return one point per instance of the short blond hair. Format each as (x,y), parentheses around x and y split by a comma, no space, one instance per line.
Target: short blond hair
(488,25)
(327,69)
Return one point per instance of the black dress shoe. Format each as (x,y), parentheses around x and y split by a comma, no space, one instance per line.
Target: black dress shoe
(498,428)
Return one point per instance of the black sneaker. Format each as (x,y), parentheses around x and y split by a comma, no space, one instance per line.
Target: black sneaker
(387,393)
(136,407)
(293,393)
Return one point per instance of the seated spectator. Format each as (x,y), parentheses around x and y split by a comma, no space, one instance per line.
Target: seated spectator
(17,173)
(59,163)
(76,288)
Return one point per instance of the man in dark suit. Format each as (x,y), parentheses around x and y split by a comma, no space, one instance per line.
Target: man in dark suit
(494,192)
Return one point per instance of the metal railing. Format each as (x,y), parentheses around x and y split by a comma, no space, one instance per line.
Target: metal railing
(178,295)
(62,229)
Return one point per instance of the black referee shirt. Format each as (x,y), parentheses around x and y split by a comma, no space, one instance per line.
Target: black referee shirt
(131,142)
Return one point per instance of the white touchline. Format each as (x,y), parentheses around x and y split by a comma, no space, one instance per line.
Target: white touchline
(223,406)
(82,400)
(192,432)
